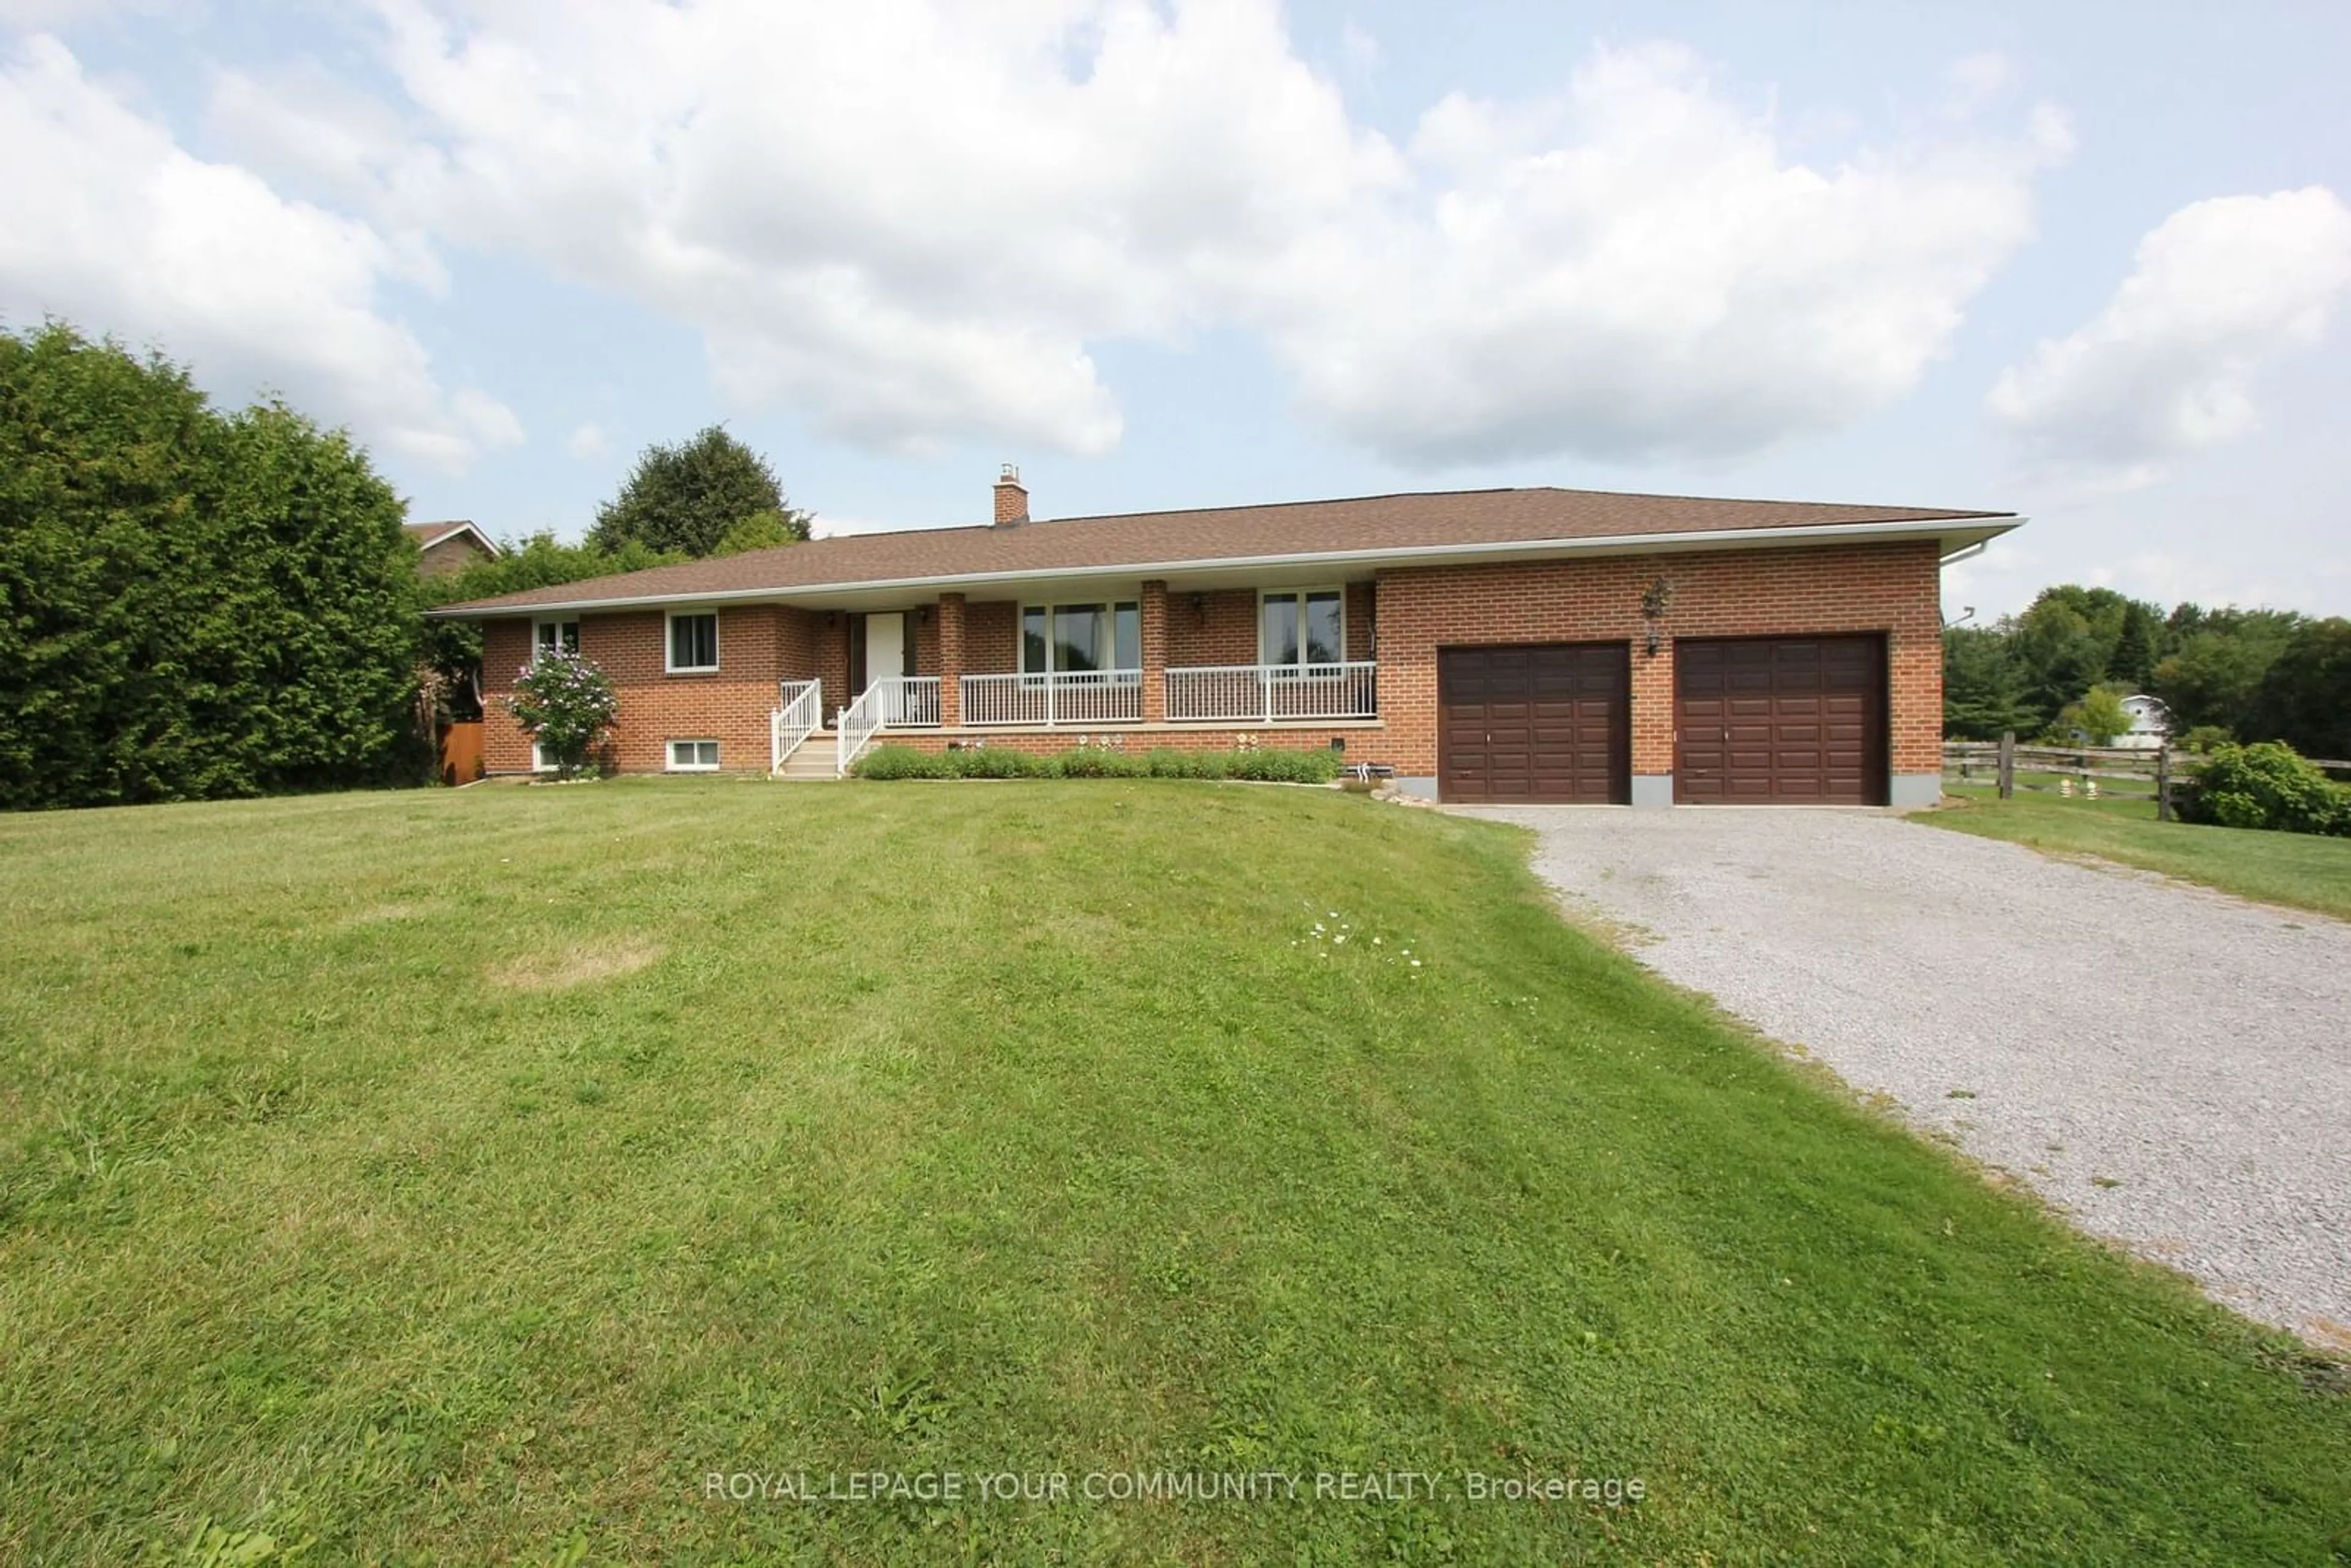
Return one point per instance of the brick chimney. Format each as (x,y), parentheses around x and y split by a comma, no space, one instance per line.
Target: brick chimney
(1012,498)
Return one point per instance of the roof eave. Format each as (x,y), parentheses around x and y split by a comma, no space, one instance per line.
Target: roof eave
(1966,530)
(451,532)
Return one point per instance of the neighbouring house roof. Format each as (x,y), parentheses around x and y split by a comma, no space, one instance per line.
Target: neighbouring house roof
(427,535)
(1210,544)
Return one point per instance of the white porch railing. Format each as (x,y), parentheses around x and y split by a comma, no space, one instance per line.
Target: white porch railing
(1066,697)
(1266,694)
(893,702)
(795,721)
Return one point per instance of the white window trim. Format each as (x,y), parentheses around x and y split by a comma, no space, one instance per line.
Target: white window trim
(537,648)
(1300,594)
(669,643)
(540,762)
(1110,602)
(669,753)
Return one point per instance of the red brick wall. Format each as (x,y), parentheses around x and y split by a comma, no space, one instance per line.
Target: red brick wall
(505,649)
(991,637)
(1890,588)
(1215,628)
(923,626)
(758,646)
(1362,615)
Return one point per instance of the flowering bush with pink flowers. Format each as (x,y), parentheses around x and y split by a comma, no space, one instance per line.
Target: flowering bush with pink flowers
(565,704)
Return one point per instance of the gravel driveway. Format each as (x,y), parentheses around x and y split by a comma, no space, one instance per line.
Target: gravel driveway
(2173,1067)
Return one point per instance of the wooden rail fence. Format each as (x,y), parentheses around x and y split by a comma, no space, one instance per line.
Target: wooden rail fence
(2087,772)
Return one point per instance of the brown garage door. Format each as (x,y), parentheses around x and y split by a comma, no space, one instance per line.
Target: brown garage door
(1784,721)
(1543,725)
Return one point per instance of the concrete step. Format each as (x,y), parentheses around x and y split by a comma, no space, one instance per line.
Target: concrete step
(812,762)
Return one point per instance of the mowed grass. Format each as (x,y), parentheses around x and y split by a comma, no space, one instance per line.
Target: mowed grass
(467,1177)
(2300,870)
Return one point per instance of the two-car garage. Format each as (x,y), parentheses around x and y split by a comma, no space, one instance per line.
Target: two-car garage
(1757,720)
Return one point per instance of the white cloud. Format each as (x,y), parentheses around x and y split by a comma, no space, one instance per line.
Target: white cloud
(28,15)
(2167,368)
(105,220)
(1984,77)
(908,220)
(911,221)
(586,441)
(1636,269)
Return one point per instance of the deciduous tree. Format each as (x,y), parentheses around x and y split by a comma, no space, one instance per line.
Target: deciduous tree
(689,496)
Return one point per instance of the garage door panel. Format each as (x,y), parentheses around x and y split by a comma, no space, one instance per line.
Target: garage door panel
(1786,721)
(1536,723)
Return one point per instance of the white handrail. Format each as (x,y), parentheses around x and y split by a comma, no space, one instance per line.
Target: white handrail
(855,727)
(1061,696)
(1266,694)
(795,721)
(893,702)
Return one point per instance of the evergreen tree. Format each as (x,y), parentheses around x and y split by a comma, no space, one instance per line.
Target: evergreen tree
(190,605)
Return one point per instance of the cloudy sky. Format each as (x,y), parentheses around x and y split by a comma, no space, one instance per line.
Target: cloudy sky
(2087,261)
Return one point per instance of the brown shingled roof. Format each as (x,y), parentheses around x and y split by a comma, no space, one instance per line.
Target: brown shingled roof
(1364,525)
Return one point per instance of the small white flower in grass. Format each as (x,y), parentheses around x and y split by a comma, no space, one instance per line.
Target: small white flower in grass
(1341,938)
(1376,941)
(1415,963)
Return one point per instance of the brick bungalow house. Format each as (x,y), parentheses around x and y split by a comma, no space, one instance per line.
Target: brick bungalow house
(1490,645)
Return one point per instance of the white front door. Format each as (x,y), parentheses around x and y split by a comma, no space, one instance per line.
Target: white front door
(886,658)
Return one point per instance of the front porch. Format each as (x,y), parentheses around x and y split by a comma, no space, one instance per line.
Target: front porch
(1189,699)
(1071,661)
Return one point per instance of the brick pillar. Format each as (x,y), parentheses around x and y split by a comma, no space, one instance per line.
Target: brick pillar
(1653,720)
(1154,653)
(951,660)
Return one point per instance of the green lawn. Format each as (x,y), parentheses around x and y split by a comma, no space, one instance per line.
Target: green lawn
(2301,870)
(467,1177)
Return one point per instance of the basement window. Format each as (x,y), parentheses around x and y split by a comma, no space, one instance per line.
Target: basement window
(694,756)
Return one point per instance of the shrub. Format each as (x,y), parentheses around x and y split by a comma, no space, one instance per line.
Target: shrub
(1086,761)
(564,703)
(1285,767)
(995,763)
(2266,785)
(1168,763)
(1099,762)
(900,762)
(2206,737)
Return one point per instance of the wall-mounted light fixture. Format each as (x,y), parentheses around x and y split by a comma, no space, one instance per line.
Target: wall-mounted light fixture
(1655,600)
(1199,607)
(923,616)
